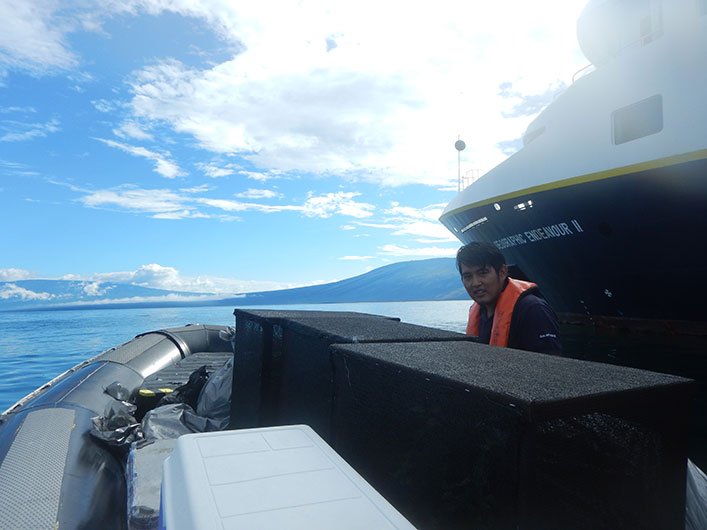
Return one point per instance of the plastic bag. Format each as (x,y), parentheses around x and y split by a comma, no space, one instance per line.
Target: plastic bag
(228,335)
(215,398)
(189,392)
(117,427)
(173,420)
(166,422)
(202,424)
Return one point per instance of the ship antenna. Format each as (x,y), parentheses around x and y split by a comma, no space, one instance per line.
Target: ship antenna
(459,145)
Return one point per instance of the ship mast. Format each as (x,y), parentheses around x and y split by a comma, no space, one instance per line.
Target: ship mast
(459,145)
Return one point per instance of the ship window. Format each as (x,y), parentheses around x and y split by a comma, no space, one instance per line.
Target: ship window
(638,120)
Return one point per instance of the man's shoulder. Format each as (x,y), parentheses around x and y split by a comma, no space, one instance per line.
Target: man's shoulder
(534,326)
(533,312)
(530,300)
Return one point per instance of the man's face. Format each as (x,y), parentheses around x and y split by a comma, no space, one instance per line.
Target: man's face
(483,283)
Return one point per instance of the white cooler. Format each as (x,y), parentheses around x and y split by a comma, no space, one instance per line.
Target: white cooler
(270,478)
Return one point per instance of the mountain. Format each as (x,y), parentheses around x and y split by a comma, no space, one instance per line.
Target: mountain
(430,279)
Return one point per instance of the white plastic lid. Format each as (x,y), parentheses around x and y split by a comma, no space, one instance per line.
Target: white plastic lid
(270,478)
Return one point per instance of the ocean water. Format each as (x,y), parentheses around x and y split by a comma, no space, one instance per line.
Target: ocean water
(36,346)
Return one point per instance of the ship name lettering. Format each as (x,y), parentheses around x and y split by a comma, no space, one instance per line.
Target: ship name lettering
(547,232)
(538,234)
(510,241)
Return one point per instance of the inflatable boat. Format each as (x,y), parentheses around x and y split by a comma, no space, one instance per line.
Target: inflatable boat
(53,473)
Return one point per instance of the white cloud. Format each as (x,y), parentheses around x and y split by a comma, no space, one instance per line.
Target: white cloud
(237,206)
(8,110)
(155,274)
(103,105)
(347,90)
(131,129)
(419,223)
(151,275)
(215,171)
(252,193)
(19,131)
(172,297)
(340,92)
(275,118)
(380,225)
(14,166)
(341,203)
(12,275)
(425,230)
(201,188)
(158,201)
(187,214)
(322,206)
(167,204)
(95,289)
(33,38)
(260,176)
(163,165)
(168,278)
(80,79)
(11,290)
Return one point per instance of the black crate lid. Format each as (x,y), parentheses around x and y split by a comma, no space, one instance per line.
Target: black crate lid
(340,329)
(276,315)
(533,383)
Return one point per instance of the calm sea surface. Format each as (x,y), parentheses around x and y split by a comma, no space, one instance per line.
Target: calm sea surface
(35,346)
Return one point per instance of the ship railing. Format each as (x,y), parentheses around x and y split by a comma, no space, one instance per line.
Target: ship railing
(471,176)
(618,48)
(586,69)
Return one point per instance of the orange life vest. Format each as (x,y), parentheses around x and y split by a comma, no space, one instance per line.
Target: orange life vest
(501,329)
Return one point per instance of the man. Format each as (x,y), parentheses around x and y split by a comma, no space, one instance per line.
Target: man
(506,312)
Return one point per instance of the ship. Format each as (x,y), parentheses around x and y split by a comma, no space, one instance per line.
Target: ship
(603,206)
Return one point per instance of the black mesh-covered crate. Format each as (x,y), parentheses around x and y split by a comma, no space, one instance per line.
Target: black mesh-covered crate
(463,435)
(282,370)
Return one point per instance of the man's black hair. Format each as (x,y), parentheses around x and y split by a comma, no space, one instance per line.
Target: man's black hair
(478,254)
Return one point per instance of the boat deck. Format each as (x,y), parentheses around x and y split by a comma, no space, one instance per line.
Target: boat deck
(178,374)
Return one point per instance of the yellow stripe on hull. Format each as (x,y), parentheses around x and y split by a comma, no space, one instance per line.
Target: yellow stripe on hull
(590,177)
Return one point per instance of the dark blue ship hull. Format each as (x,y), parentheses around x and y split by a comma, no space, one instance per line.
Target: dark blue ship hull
(628,244)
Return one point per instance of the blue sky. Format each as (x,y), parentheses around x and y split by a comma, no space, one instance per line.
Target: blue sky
(222,146)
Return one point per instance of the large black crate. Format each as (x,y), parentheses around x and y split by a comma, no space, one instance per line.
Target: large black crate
(283,370)
(464,435)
